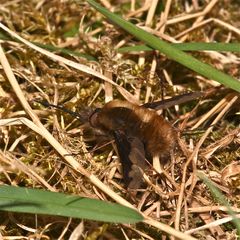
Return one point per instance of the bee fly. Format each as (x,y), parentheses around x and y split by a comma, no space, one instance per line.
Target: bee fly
(139,134)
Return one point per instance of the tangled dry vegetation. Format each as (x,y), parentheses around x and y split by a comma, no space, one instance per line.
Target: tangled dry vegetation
(209,133)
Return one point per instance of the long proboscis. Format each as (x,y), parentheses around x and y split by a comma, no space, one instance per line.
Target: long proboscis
(62,108)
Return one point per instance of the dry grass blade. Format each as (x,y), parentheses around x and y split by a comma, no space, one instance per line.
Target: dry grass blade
(230,174)
(163,227)
(70,63)
(225,141)
(194,155)
(40,129)
(11,161)
(213,224)
(82,68)
(168,229)
(194,15)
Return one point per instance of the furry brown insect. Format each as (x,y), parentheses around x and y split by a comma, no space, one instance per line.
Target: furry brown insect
(139,133)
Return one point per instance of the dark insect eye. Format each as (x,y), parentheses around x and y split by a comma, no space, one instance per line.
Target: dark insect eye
(93,117)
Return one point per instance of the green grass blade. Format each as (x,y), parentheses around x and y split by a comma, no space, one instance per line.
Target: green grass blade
(170,51)
(194,46)
(17,199)
(65,51)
